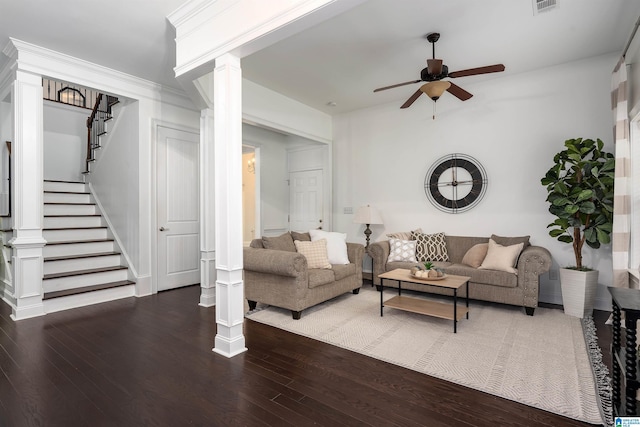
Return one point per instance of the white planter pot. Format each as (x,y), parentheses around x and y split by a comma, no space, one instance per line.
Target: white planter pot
(578,291)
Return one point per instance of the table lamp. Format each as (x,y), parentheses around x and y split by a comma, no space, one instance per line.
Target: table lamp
(367,215)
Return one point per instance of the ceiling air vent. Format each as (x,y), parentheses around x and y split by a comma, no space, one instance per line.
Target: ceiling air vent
(543,5)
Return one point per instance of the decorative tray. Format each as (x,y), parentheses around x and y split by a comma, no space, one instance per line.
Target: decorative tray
(428,278)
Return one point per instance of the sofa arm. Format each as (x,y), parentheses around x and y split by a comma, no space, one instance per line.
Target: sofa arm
(271,261)
(355,251)
(379,253)
(534,261)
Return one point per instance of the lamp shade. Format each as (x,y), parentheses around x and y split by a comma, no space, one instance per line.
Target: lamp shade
(367,215)
(434,90)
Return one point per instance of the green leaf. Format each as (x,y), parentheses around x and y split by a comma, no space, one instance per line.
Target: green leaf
(571,209)
(565,238)
(556,233)
(587,207)
(603,236)
(560,201)
(584,195)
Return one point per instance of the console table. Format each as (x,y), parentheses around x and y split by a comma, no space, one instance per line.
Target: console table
(624,360)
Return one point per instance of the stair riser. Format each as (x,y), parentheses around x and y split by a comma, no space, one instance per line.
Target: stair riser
(77,249)
(75,282)
(70,222)
(69,209)
(69,265)
(76,187)
(55,236)
(67,198)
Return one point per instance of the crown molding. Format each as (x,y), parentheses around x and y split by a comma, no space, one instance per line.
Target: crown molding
(49,63)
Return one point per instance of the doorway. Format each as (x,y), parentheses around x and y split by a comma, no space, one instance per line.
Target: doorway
(251,224)
(178,208)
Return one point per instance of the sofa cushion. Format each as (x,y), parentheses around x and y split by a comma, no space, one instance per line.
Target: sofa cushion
(314,252)
(404,235)
(475,255)
(508,241)
(336,245)
(407,265)
(320,277)
(502,258)
(305,237)
(486,277)
(430,247)
(342,271)
(257,244)
(284,242)
(402,250)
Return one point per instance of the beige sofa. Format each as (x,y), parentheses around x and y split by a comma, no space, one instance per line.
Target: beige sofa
(520,289)
(280,277)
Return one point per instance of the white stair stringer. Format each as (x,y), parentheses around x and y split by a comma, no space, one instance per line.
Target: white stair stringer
(82,261)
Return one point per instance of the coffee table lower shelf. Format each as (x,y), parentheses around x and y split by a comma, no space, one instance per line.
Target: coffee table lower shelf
(430,308)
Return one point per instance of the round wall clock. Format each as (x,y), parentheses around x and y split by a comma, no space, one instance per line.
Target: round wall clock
(455,183)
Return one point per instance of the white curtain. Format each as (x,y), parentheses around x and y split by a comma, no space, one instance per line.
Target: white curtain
(622,201)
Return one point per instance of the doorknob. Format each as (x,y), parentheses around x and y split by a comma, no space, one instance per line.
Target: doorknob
(164,229)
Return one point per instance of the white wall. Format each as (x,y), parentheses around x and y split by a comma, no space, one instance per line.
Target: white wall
(274,189)
(513,125)
(6,130)
(65,144)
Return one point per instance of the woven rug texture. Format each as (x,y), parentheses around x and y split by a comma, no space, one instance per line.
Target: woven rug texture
(539,360)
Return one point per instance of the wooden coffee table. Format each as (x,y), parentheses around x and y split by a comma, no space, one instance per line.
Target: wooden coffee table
(442,310)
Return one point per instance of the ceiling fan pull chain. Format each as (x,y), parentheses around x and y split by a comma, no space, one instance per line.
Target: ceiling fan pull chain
(434,110)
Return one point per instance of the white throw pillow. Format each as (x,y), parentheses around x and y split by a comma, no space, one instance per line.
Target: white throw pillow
(402,250)
(501,258)
(336,245)
(314,252)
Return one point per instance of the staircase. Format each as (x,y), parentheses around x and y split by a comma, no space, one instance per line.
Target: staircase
(81,261)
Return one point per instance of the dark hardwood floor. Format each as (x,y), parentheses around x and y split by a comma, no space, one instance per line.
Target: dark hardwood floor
(148,362)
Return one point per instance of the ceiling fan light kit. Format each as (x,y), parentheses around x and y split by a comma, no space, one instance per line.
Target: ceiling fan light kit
(434,90)
(435,72)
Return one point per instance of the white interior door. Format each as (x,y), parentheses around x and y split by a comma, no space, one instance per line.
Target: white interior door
(178,213)
(305,200)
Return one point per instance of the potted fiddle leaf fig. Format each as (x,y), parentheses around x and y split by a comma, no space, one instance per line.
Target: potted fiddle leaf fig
(580,195)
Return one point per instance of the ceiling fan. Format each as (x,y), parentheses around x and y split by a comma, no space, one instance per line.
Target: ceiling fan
(435,72)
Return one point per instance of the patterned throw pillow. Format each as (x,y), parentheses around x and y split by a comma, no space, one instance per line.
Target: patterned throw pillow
(430,247)
(402,250)
(314,252)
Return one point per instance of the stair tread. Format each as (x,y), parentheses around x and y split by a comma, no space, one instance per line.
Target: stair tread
(69,203)
(91,255)
(80,241)
(82,272)
(98,227)
(67,182)
(72,215)
(85,289)
(82,193)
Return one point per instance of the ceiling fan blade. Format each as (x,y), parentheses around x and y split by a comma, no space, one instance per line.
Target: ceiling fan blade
(458,92)
(412,99)
(480,70)
(397,85)
(434,66)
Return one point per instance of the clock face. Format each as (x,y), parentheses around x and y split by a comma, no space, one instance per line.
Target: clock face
(455,183)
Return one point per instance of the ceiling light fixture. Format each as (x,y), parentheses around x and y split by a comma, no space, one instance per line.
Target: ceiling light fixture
(434,90)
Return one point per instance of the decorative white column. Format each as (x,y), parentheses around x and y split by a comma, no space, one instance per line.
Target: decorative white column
(27,157)
(207,210)
(227,94)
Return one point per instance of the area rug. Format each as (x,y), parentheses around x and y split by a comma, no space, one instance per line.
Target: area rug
(539,360)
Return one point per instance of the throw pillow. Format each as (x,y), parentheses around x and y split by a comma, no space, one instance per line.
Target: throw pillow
(336,245)
(502,258)
(404,235)
(314,252)
(475,255)
(508,241)
(301,236)
(402,250)
(430,247)
(284,242)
